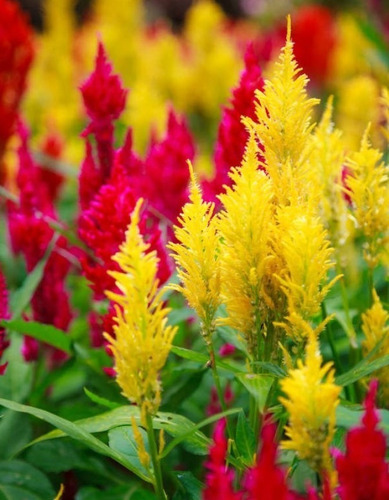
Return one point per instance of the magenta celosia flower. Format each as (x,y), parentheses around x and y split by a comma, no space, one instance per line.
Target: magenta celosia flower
(30,234)
(232,134)
(4,314)
(219,478)
(362,470)
(104,99)
(227,350)
(267,480)
(16,53)
(166,169)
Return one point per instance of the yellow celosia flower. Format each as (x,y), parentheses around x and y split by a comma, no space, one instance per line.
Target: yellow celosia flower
(142,339)
(245,229)
(301,241)
(284,124)
(353,119)
(311,400)
(197,257)
(385,102)
(368,188)
(375,326)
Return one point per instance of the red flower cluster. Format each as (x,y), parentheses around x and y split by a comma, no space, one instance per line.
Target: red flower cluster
(30,234)
(3,315)
(232,134)
(16,53)
(362,470)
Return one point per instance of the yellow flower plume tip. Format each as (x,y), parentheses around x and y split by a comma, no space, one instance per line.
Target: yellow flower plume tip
(196,254)
(375,326)
(245,225)
(283,112)
(142,338)
(311,400)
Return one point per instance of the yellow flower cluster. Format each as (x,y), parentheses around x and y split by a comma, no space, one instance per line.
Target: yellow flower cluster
(375,326)
(197,254)
(312,397)
(142,338)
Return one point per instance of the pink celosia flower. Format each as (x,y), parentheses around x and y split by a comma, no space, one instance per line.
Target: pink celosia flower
(227,349)
(30,235)
(104,99)
(4,314)
(219,479)
(16,53)
(166,169)
(362,470)
(267,480)
(52,148)
(232,134)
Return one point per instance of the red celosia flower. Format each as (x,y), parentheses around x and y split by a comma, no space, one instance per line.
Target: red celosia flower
(166,170)
(219,479)
(362,470)
(16,53)
(104,99)
(232,134)
(267,480)
(3,315)
(314,37)
(31,234)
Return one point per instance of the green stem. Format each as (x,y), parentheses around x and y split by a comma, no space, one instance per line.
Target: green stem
(370,281)
(158,483)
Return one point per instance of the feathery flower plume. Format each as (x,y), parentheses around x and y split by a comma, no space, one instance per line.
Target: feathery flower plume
(142,339)
(283,126)
(219,479)
(166,175)
(362,470)
(311,400)
(232,134)
(16,49)
(104,99)
(245,227)
(196,254)
(302,243)
(267,480)
(31,234)
(368,188)
(375,326)
(4,343)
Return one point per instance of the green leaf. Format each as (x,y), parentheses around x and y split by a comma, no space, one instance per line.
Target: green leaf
(45,333)
(101,401)
(75,432)
(351,416)
(204,358)
(124,492)
(245,440)
(361,370)
(175,425)
(19,427)
(258,386)
(21,481)
(190,487)
(22,297)
(122,440)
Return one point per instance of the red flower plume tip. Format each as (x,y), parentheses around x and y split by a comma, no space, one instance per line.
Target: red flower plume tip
(232,134)
(103,94)
(267,480)
(362,469)
(16,54)
(4,314)
(219,478)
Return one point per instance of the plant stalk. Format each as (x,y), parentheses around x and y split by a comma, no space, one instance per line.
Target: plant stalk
(158,483)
